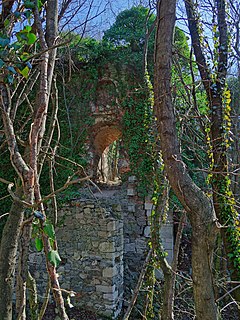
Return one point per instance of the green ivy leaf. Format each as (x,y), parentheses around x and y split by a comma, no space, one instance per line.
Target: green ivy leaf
(38,244)
(27,29)
(54,258)
(6,23)
(22,36)
(25,72)
(49,230)
(25,56)
(31,38)
(16,45)
(27,13)
(40,4)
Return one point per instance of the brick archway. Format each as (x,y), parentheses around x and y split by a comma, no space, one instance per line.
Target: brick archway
(107,114)
(105,136)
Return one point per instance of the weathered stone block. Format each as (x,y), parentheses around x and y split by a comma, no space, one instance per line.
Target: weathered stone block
(105,289)
(131,247)
(87,211)
(76,255)
(80,216)
(148,212)
(119,248)
(131,208)
(141,245)
(61,269)
(117,207)
(90,206)
(111,226)
(166,232)
(106,247)
(147,231)
(110,272)
(95,244)
(103,234)
(131,192)
(148,205)
(132,178)
(110,296)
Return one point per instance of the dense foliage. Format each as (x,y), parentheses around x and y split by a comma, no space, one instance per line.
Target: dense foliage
(119,57)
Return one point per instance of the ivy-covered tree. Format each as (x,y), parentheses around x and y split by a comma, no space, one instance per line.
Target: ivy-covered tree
(29,106)
(218,133)
(208,213)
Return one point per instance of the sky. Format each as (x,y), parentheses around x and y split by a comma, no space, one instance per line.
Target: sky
(103,11)
(111,8)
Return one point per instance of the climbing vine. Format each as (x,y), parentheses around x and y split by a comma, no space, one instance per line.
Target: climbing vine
(138,138)
(229,216)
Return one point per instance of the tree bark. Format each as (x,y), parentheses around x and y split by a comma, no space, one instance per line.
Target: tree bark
(8,252)
(223,203)
(170,276)
(22,271)
(198,207)
(28,167)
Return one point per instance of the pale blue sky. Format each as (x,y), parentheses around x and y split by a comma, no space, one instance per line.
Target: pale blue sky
(109,9)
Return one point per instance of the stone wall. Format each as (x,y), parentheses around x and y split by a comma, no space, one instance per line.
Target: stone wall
(91,247)
(103,241)
(137,233)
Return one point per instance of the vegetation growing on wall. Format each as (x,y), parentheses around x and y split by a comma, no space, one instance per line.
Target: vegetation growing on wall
(199,147)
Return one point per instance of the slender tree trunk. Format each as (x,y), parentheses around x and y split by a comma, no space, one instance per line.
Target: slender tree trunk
(170,276)
(8,252)
(21,294)
(33,297)
(166,313)
(222,198)
(198,207)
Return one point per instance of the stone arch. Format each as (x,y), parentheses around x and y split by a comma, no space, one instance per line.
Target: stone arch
(107,114)
(104,136)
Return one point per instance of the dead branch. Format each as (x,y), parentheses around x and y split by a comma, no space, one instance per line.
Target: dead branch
(17,199)
(65,186)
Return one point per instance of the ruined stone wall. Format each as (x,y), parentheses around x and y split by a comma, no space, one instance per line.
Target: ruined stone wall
(137,235)
(103,241)
(91,247)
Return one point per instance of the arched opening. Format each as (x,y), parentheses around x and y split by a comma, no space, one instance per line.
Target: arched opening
(107,145)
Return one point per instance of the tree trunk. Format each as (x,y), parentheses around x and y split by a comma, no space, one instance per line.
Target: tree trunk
(198,207)
(33,297)
(222,197)
(8,252)
(170,276)
(22,271)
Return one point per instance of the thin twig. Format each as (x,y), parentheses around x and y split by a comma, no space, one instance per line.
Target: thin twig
(227,293)
(6,181)
(65,186)
(15,198)
(4,215)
